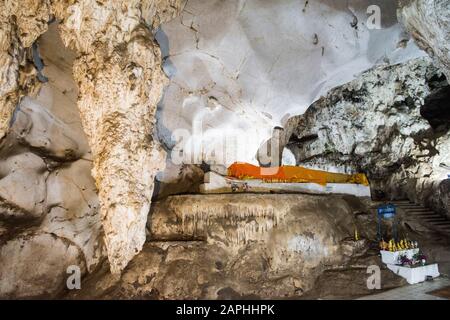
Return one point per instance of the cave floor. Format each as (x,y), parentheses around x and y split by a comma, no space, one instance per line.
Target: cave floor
(412,292)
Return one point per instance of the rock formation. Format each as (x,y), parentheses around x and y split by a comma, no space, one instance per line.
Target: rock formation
(374,125)
(233,82)
(428,21)
(234,249)
(118,70)
(43,258)
(46,154)
(120,80)
(48,199)
(81,90)
(285,246)
(21,23)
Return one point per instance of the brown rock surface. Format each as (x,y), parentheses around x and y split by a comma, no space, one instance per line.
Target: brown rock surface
(234,246)
(35,265)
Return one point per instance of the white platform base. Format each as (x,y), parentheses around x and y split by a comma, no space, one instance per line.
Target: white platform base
(215,183)
(393,257)
(417,274)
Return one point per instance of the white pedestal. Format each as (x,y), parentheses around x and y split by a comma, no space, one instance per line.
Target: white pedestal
(389,257)
(416,274)
(215,183)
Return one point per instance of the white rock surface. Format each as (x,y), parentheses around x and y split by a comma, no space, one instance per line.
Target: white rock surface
(43,131)
(378,113)
(374,125)
(240,68)
(288,158)
(429,23)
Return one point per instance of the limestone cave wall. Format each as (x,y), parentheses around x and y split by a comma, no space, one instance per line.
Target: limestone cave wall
(91,92)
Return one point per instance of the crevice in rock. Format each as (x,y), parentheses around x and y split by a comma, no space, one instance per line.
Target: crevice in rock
(436,109)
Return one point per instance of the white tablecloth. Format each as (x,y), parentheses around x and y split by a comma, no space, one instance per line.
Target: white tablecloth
(393,257)
(417,274)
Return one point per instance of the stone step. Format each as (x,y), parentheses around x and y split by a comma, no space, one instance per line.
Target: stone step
(426,215)
(402,202)
(443,224)
(431,216)
(435,220)
(429,212)
(410,207)
(434,223)
(418,213)
(402,206)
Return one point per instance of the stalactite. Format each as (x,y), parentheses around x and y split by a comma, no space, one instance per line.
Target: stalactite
(245,222)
